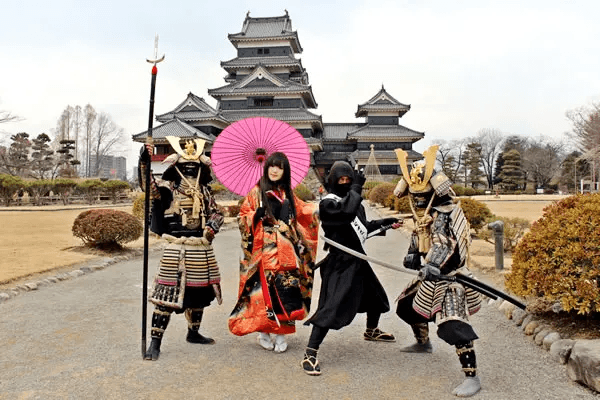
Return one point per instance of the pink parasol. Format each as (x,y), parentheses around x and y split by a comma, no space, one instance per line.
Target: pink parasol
(239,152)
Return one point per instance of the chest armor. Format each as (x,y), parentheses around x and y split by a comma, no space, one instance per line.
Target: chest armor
(189,203)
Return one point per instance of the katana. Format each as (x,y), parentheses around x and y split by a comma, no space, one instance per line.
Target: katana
(154,61)
(474,284)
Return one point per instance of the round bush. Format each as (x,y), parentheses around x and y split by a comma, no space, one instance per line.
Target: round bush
(558,258)
(476,212)
(303,192)
(402,205)
(102,227)
(138,206)
(380,193)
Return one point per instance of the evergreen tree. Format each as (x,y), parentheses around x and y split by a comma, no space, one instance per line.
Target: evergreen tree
(473,164)
(42,156)
(512,173)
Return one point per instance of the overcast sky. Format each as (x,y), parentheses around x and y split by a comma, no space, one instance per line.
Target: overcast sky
(514,66)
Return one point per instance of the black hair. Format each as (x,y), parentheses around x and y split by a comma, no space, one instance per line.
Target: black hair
(285,183)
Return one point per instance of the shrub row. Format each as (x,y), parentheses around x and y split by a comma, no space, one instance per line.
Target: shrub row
(65,188)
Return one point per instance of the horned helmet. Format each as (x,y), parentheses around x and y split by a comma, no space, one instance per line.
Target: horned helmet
(421,181)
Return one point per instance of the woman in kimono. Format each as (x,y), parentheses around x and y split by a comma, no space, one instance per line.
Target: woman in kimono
(279,238)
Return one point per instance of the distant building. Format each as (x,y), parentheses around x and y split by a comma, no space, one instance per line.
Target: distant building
(111,167)
(266,79)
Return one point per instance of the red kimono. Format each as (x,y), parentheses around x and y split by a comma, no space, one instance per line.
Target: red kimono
(276,273)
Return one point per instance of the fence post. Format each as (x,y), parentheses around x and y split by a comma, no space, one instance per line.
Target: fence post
(498,228)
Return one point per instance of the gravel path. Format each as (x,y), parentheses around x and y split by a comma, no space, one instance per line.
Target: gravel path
(80,339)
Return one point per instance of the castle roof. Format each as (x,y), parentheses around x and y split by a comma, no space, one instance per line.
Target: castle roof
(192,109)
(288,61)
(382,102)
(369,131)
(262,82)
(268,28)
(174,127)
(289,115)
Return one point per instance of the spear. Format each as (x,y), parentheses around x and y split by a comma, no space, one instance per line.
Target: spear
(154,61)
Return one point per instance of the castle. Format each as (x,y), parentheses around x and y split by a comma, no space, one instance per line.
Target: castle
(266,79)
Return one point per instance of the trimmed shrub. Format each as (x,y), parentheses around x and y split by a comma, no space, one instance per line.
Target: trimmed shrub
(389,201)
(64,187)
(114,188)
(402,205)
(558,258)
(303,192)
(138,206)
(90,188)
(476,212)
(514,230)
(380,193)
(368,186)
(106,228)
(233,210)
(9,186)
(217,188)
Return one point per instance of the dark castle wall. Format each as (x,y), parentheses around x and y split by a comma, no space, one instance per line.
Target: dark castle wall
(265,51)
(384,145)
(261,102)
(382,120)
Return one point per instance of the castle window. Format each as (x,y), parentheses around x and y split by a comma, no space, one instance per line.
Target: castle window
(259,51)
(262,102)
(267,51)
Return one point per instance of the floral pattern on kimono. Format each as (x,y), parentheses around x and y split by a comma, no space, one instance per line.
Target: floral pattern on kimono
(276,272)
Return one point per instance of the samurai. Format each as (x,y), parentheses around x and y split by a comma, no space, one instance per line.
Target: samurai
(438,246)
(185,214)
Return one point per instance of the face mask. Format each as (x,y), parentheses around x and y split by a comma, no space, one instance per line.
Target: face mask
(342,189)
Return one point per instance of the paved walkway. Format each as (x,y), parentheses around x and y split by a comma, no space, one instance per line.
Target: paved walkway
(80,339)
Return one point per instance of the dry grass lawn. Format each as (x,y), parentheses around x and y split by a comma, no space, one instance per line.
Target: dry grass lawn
(33,242)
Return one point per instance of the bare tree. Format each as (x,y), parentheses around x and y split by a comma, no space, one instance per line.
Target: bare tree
(450,156)
(490,142)
(106,135)
(542,160)
(6,116)
(76,121)
(586,133)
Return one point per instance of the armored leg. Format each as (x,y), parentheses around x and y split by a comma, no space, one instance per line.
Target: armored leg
(160,320)
(194,318)
(471,384)
(423,345)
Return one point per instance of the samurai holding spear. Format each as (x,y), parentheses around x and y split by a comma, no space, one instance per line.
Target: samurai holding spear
(185,213)
(438,245)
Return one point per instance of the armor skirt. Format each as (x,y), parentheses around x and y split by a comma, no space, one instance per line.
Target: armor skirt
(188,276)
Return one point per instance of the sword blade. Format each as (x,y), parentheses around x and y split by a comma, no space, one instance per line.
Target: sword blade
(367,258)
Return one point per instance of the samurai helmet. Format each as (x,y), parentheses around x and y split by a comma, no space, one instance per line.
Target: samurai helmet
(422,180)
(193,150)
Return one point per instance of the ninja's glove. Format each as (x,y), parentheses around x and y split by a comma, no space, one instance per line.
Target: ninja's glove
(429,273)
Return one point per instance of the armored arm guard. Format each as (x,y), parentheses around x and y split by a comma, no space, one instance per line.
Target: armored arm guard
(443,243)
(215,218)
(144,163)
(412,260)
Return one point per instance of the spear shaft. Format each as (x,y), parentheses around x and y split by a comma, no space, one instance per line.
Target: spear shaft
(147,197)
